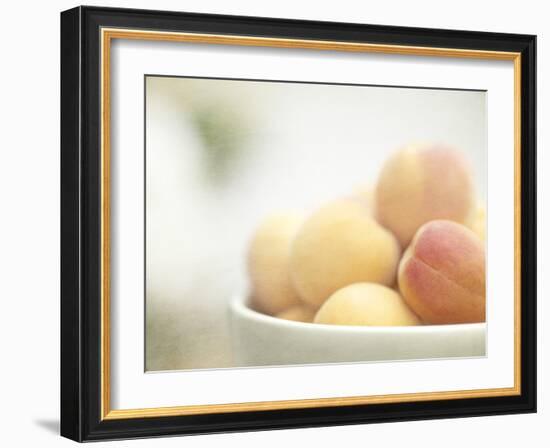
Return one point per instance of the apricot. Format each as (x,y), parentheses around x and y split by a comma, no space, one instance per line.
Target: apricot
(340,244)
(442,274)
(268,263)
(477,221)
(298,313)
(365,193)
(422,183)
(366,304)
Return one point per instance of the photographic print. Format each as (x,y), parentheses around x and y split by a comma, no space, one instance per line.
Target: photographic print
(293,223)
(281,224)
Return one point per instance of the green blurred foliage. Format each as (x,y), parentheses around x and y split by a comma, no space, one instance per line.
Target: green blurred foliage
(225,134)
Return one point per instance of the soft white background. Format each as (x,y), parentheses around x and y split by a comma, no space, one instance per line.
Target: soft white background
(29,181)
(343,137)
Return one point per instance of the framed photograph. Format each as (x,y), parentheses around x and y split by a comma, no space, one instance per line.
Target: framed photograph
(273,223)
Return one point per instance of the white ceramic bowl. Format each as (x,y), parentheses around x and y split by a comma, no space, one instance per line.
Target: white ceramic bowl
(260,340)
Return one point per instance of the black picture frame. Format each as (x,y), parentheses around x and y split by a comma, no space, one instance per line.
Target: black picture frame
(81,224)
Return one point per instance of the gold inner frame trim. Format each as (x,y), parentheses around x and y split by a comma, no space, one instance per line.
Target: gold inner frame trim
(107,35)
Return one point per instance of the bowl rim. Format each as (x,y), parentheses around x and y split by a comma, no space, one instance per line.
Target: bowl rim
(239,306)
